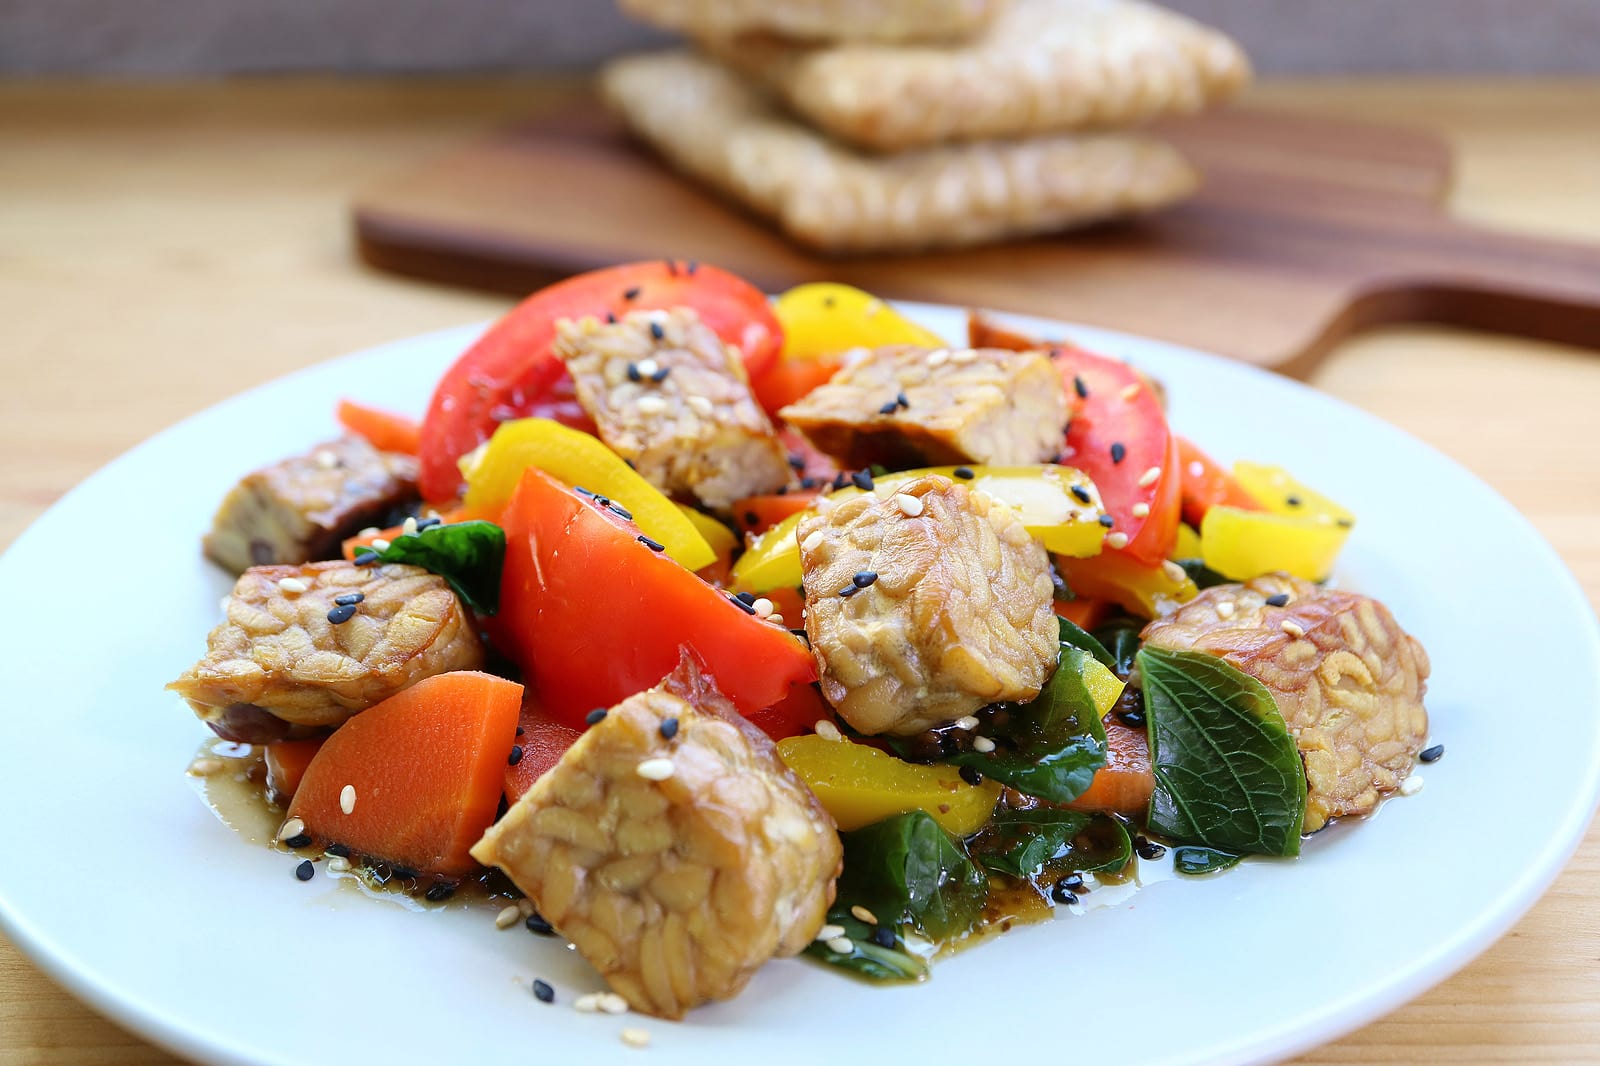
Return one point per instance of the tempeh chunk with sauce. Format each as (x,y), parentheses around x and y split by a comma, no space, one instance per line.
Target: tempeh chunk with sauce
(1347,679)
(300,509)
(926,605)
(905,406)
(673,848)
(668,396)
(280,666)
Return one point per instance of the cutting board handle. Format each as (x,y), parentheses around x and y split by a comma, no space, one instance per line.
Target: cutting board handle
(1461,275)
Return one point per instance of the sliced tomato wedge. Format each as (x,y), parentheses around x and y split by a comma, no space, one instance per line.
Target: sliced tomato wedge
(757,514)
(542,740)
(789,380)
(511,372)
(592,614)
(1207,485)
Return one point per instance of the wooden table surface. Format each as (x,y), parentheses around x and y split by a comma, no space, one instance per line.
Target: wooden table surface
(163,247)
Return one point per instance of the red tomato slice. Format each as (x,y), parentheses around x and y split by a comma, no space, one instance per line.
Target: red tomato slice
(757,514)
(794,715)
(1207,485)
(814,468)
(512,373)
(789,380)
(543,741)
(592,615)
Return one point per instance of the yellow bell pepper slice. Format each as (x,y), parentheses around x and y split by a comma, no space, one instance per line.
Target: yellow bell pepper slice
(1103,686)
(572,456)
(1043,496)
(722,539)
(1301,531)
(860,785)
(1188,545)
(1147,591)
(826,318)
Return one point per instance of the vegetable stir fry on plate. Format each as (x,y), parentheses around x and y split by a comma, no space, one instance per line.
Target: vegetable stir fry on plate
(704,630)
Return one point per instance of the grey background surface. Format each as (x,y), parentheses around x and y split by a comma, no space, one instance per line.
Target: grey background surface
(167,38)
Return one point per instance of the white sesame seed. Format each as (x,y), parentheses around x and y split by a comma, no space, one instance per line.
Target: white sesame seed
(508,917)
(982,745)
(841,945)
(326,459)
(646,367)
(1174,572)
(588,1003)
(292,828)
(408,528)
(910,506)
(347,799)
(827,730)
(1116,540)
(1197,469)
(813,541)
(655,769)
(338,865)
(370,531)
(651,405)
(938,357)
(863,915)
(775,619)
(635,1037)
(611,1003)
(828,932)
(700,406)
(1129,392)
(1291,628)
(762,607)
(966,355)
(1225,609)
(873,307)
(967,722)
(292,585)
(380,545)
(1140,509)
(205,767)
(1411,785)
(1150,477)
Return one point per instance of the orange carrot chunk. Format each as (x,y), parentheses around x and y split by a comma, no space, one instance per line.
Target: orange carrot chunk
(384,430)
(1125,783)
(286,766)
(415,780)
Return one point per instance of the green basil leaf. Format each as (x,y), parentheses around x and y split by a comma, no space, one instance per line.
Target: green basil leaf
(1072,634)
(1194,861)
(1051,746)
(866,958)
(468,555)
(1121,638)
(908,871)
(1228,775)
(1022,843)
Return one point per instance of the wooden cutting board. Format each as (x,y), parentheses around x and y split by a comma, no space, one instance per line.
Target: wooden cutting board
(1306,230)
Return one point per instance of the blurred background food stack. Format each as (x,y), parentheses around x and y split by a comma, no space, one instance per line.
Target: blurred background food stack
(894,125)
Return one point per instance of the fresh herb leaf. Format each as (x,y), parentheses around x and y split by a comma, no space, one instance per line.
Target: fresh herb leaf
(1082,638)
(865,957)
(468,555)
(1121,638)
(908,871)
(1228,775)
(1022,843)
(1051,746)
(1202,575)
(1194,861)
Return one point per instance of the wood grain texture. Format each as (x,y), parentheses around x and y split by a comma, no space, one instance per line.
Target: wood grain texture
(1323,227)
(163,247)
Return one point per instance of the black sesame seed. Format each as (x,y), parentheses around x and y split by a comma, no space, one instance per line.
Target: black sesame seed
(661,374)
(596,716)
(862,479)
(1131,719)
(690,267)
(1062,894)
(1292,501)
(1079,387)
(964,473)
(602,501)
(304,871)
(299,840)
(849,590)
(653,545)
(429,522)
(827,301)
(611,318)
(1344,523)
(1279,600)
(808,482)
(1082,494)
(883,936)
(520,731)
(630,294)
(864,578)
(631,464)
(746,598)
(783,490)
(889,408)
(515,756)
(439,891)
(743,606)
(1107,521)
(341,614)
(971,775)
(621,512)
(349,598)
(633,373)
(543,992)
(537,924)
(1073,882)
(669,728)
(1118,452)
(797,461)
(656,331)
(338,850)
(672,268)
(840,480)
(1148,849)
(752,519)
(1431,754)
(372,556)
(900,399)
(581,491)
(407,873)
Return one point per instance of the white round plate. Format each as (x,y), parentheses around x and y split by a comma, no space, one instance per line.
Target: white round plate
(127,890)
